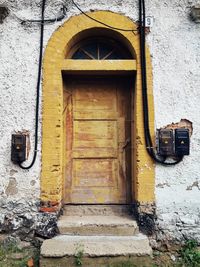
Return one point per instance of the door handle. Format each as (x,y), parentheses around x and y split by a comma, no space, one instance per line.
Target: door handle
(127,142)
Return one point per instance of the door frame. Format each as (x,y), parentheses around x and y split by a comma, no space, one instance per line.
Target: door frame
(55,62)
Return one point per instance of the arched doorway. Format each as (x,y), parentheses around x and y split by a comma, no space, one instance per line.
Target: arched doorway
(98,126)
(93,142)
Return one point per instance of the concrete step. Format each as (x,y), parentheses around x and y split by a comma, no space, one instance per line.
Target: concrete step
(96,246)
(107,210)
(98,225)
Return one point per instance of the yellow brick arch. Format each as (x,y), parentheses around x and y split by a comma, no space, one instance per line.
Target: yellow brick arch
(55,61)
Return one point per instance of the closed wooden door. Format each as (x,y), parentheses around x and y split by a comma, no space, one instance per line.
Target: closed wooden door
(98,135)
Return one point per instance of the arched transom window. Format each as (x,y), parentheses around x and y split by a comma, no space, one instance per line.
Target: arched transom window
(100,49)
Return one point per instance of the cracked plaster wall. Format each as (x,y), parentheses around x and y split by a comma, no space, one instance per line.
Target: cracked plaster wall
(174,43)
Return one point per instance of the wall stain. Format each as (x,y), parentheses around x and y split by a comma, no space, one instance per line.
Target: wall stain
(4,12)
(195,184)
(12,172)
(32,182)
(12,189)
(162,185)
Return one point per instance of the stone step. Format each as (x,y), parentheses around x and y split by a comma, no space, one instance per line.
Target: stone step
(96,246)
(98,225)
(72,210)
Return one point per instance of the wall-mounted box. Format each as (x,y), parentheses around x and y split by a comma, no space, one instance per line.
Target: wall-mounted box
(195,13)
(182,142)
(165,142)
(19,148)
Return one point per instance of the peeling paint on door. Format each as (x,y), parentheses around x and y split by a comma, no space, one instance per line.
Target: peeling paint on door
(97,129)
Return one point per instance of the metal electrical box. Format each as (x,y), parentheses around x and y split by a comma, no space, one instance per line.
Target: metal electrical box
(19,148)
(182,142)
(165,142)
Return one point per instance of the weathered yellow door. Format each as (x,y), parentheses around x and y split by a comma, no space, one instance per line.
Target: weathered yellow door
(98,135)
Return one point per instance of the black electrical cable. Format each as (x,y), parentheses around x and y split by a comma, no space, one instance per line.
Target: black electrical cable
(148,140)
(100,22)
(59,18)
(38,90)
(143,71)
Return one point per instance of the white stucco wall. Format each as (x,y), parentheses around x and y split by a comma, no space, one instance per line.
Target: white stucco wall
(174,43)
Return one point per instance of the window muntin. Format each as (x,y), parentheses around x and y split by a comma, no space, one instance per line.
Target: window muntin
(100,49)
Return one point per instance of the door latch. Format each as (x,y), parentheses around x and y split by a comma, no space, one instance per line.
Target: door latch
(127,142)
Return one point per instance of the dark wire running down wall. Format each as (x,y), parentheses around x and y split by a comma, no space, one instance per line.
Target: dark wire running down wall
(38,90)
(148,139)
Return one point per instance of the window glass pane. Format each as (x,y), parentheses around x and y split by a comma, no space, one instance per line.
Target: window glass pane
(114,55)
(91,49)
(105,50)
(80,55)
